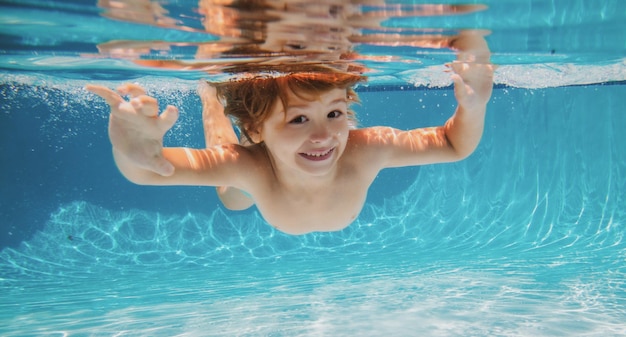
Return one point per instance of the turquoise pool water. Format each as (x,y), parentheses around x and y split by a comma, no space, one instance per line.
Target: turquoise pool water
(524,238)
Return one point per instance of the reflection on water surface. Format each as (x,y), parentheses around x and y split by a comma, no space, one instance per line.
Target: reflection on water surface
(258,33)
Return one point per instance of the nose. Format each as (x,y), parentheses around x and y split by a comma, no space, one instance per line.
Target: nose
(319,134)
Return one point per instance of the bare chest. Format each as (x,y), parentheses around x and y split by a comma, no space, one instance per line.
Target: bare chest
(301,213)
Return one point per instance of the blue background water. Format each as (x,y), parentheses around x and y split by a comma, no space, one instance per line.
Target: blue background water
(525,237)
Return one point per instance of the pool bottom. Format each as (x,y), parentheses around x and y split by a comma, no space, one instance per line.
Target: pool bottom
(364,298)
(221,282)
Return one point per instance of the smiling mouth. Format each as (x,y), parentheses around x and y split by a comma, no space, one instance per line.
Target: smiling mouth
(317,156)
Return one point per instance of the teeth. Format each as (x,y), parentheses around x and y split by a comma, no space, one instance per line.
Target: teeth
(317,154)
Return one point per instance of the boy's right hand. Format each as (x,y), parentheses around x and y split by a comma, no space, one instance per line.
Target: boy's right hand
(136,129)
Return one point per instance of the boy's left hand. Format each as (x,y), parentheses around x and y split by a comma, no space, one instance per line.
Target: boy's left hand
(473,83)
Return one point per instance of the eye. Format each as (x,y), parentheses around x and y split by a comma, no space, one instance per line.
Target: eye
(335,114)
(296,46)
(298,120)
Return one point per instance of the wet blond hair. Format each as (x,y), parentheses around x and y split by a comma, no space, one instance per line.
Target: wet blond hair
(250,100)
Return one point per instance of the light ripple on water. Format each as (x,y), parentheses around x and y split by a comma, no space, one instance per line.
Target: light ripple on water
(222,275)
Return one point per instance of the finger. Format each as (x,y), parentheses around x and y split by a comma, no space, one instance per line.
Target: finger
(169,117)
(458,66)
(145,105)
(110,96)
(457,79)
(459,85)
(131,89)
(451,66)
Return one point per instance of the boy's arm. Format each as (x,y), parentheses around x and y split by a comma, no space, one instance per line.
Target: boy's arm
(473,84)
(218,130)
(460,135)
(136,132)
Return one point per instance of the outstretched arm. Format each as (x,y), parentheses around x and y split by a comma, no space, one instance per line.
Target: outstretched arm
(460,135)
(136,132)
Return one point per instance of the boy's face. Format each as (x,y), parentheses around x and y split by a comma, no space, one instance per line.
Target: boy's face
(308,136)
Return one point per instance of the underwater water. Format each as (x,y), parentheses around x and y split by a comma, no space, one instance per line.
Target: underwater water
(525,237)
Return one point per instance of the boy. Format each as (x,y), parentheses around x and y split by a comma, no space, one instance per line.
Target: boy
(307,168)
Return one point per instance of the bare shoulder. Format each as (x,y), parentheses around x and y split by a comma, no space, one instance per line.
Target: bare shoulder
(370,145)
(254,167)
(250,158)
